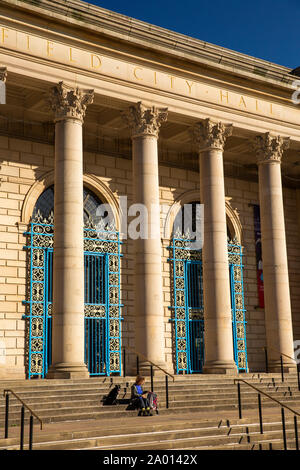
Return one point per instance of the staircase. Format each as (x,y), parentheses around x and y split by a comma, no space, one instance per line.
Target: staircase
(202,414)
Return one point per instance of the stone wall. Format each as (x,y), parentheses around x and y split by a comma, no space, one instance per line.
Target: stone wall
(23,162)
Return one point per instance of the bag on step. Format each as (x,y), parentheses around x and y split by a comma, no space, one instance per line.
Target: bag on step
(153,401)
(112,397)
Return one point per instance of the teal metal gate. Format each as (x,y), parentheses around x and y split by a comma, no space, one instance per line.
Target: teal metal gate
(102,308)
(188,307)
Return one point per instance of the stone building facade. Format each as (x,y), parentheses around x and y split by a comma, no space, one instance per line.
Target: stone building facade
(122,108)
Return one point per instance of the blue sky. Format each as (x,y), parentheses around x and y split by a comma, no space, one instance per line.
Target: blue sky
(267,29)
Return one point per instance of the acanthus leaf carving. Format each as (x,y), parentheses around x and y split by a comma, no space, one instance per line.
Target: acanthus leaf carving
(270,148)
(144,121)
(211,135)
(69,102)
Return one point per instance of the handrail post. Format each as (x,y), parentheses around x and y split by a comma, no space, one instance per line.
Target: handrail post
(150,362)
(32,415)
(260,392)
(281,365)
(151,369)
(296,432)
(283,429)
(239,400)
(124,362)
(260,414)
(266,359)
(6,415)
(137,365)
(22,427)
(30,432)
(167,392)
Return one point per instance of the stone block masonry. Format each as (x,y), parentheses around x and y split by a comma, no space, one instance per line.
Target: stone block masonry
(22,163)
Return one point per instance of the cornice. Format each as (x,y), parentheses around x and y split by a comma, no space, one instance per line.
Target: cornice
(80,14)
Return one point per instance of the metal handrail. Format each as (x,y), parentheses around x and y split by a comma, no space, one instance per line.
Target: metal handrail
(282,405)
(277,350)
(150,362)
(24,404)
(267,395)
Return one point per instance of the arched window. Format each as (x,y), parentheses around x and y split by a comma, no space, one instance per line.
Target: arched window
(44,206)
(187,220)
(187,291)
(102,307)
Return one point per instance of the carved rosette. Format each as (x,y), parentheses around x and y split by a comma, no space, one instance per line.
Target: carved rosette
(144,121)
(69,102)
(270,148)
(211,135)
(3,74)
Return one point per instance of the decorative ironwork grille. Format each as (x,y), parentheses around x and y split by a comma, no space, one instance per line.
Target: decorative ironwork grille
(102,307)
(235,259)
(188,308)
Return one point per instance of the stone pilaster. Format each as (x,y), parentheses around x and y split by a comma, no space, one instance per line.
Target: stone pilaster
(210,138)
(69,105)
(269,150)
(144,124)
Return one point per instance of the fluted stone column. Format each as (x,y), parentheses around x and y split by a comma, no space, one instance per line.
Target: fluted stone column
(149,317)
(278,319)
(69,105)
(210,138)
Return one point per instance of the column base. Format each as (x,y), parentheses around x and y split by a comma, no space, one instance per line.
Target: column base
(218,367)
(66,370)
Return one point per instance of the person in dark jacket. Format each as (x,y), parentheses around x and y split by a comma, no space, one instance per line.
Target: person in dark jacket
(137,393)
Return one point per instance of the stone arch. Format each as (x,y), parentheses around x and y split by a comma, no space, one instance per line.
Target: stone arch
(97,186)
(33,194)
(232,216)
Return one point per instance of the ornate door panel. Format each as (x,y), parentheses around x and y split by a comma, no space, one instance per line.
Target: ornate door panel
(194,310)
(188,308)
(102,308)
(235,258)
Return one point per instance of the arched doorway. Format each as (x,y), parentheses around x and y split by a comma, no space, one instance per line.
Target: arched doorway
(102,308)
(187,294)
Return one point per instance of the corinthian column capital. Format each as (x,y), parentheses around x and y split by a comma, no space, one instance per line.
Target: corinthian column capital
(270,148)
(3,74)
(144,121)
(69,102)
(211,135)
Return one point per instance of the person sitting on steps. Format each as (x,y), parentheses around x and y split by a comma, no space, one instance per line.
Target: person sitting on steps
(138,394)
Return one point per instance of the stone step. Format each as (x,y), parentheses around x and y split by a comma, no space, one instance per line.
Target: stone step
(166,440)
(55,403)
(270,445)
(126,393)
(61,401)
(101,391)
(197,442)
(207,434)
(201,379)
(69,414)
(152,426)
(95,399)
